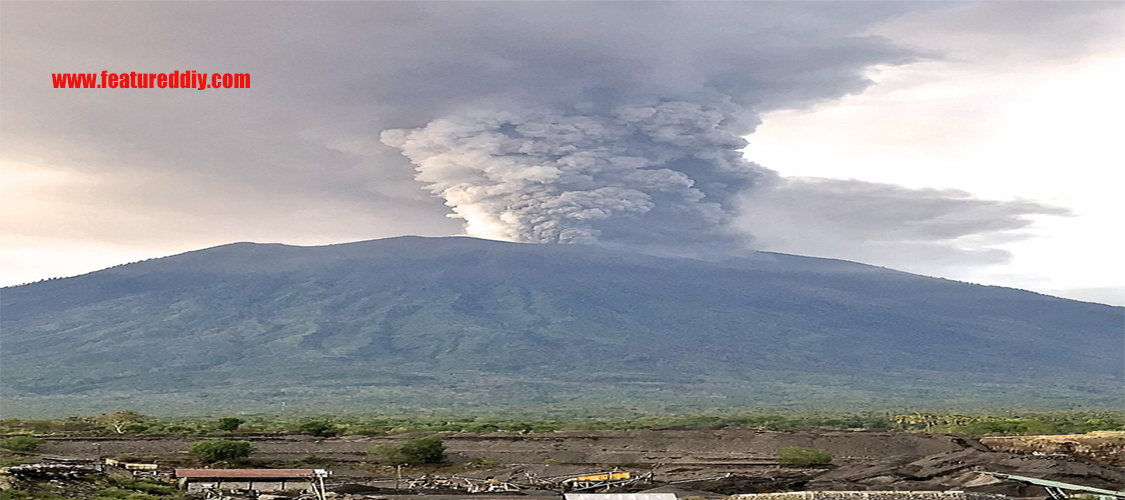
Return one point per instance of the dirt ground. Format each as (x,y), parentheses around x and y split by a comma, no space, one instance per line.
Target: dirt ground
(703,463)
(728,447)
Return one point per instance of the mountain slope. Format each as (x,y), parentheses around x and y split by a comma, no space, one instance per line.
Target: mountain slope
(461,322)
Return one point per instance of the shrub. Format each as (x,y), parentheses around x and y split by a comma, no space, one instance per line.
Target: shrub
(22,444)
(318,428)
(123,422)
(214,450)
(230,424)
(799,456)
(427,450)
(145,486)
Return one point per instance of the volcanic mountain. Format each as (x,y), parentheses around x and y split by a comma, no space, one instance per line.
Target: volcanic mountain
(456,322)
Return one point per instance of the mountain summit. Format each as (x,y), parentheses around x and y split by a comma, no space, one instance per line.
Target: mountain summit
(414,322)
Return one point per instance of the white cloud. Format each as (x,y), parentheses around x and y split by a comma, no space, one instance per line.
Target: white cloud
(1023,106)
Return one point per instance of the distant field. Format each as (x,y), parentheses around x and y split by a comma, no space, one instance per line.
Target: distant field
(1109,424)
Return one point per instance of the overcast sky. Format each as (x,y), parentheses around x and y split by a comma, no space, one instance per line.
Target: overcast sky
(972,141)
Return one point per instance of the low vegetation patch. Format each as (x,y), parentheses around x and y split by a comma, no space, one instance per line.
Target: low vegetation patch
(215,450)
(21,444)
(427,450)
(99,487)
(481,463)
(800,456)
(131,423)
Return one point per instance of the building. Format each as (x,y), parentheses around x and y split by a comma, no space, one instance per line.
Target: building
(261,480)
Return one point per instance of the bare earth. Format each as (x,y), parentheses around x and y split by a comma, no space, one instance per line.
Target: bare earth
(688,462)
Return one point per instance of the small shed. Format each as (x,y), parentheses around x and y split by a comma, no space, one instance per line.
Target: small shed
(261,480)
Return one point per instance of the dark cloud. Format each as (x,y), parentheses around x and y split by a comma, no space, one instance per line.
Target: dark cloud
(300,151)
(913,229)
(327,79)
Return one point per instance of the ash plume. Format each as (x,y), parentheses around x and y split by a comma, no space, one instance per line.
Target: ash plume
(629,136)
(662,175)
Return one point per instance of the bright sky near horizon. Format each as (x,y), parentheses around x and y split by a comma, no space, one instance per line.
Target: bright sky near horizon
(1022,128)
(985,148)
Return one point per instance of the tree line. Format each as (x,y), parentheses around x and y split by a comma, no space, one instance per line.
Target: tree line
(132,423)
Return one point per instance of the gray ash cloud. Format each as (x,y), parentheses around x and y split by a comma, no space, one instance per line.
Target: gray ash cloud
(659,176)
(629,136)
(614,122)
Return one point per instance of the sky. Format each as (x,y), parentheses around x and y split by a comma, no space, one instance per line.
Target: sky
(974,141)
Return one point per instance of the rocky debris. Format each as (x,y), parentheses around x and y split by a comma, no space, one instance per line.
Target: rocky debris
(65,480)
(945,471)
(49,471)
(715,462)
(1106,447)
(776,480)
(957,471)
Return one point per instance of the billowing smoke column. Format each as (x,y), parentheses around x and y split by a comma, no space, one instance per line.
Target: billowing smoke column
(616,123)
(661,176)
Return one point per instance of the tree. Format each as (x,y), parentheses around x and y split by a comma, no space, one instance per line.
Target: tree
(799,456)
(318,428)
(427,450)
(123,422)
(22,444)
(214,450)
(230,424)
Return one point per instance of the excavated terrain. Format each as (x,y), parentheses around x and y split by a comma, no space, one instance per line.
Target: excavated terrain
(1101,446)
(698,463)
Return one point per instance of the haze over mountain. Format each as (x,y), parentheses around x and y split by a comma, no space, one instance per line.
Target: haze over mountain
(458,322)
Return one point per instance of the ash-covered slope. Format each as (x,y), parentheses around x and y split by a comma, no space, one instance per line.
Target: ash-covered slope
(422,322)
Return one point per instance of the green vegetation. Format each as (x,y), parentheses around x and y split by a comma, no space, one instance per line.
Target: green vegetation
(799,456)
(426,450)
(17,459)
(310,461)
(1026,424)
(230,424)
(1072,422)
(319,428)
(214,450)
(451,323)
(145,486)
(21,444)
(113,487)
(31,495)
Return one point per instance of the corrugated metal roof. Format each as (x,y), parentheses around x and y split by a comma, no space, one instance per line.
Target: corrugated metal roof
(246,473)
(620,496)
